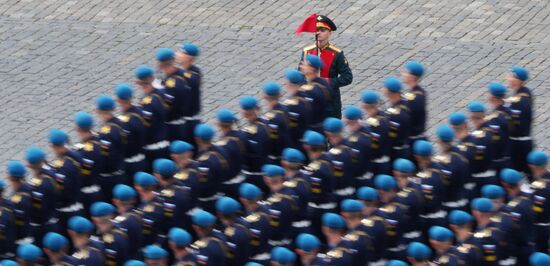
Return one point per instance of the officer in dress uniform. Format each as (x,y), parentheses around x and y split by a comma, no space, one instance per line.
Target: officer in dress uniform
(28,254)
(115,240)
(86,250)
(179,242)
(256,216)
(344,160)
(193,76)
(335,65)
(179,117)
(257,144)
(298,181)
(299,110)
(134,125)
(418,254)
(150,207)
(416,100)
(489,239)
(211,246)
(155,255)
(235,230)
(281,256)
(20,201)
(360,143)
(55,247)
(154,105)
(187,174)
(213,167)
(307,248)
(92,159)
(500,120)
(334,228)
(7,226)
(441,240)
(357,235)
(521,106)
(467,245)
(276,120)
(316,91)
(113,140)
(373,224)
(129,218)
(43,194)
(538,162)
(399,117)
(378,126)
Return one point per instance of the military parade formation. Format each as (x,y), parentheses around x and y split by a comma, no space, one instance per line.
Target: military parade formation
(297,181)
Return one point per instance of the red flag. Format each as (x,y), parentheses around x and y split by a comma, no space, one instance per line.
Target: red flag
(309,25)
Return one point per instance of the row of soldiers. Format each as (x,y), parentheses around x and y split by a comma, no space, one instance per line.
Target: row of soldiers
(297,164)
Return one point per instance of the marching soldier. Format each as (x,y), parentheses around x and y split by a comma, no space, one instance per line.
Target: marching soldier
(373,224)
(308,247)
(179,242)
(193,76)
(211,246)
(55,247)
(129,218)
(378,126)
(538,162)
(114,239)
(399,117)
(150,207)
(276,120)
(257,217)
(235,230)
(334,228)
(292,162)
(352,211)
(441,240)
(7,226)
(360,143)
(234,143)
(335,65)
(316,91)
(181,153)
(410,195)
(467,246)
(418,254)
(86,250)
(501,123)
(416,100)
(490,240)
(299,110)
(20,201)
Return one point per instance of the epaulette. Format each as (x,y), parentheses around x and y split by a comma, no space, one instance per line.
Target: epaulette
(314,166)
(290,184)
(335,151)
(229,231)
(403,194)
(269,115)
(367,222)
(479,134)
(221,142)
(394,111)
(388,208)
(146,100)
(307,87)
(170,83)
(443,259)
(444,158)
(251,129)
(309,48)
(513,99)
(538,184)
(252,218)
(491,116)
(199,244)
(123,118)
(81,254)
(410,96)
(464,248)
(105,129)
(291,101)
(371,121)
(483,233)
(336,49)
(353,138)
(167,192)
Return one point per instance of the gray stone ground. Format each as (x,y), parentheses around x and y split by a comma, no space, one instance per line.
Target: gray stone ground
(57,56)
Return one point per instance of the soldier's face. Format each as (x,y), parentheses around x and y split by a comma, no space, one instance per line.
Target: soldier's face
(323,34)
(409,79)
(513,82)
(184,59)
(476,118)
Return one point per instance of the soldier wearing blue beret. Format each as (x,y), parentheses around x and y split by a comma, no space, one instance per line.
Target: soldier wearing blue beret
(55,246)
(416,99)
(292,161)
(334,228)
(155,255)
(187,174)
(28,254)
(467,245)
(373,224)
(20,201)
(7,226)
(299,110)
(135,126)
(179,242)
(129,218)
(521,107)
(186,58)
(307,248)
(151,207)
(113,138)
(538,163)
(378,125)
(86,251)
(441,240)
(257,217)
(360,143)
(357,236)
(211,244)
(418,253)
(500,120)
(276,120)
(115,240)
(235,230)
(491,241)
(155,108)
(317,91)
(399,117)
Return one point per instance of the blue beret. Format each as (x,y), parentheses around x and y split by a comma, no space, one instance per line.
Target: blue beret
(440,233)
(445,133)
(135,263)
(520,73)
(100,209)
(29,252)
(314,61)
(293,155)
(2,184)
(203,218)
(144,72)
(227,205)
(272,88)
(124,192)
(58,137)
(404,166)
(418,251)
(80,224)
(54,241)
(294,76)
(123,91)
(16,169)
(249,191)
(180,237)
(272,170)
(353,113)
(248,103)
(537,158)
(282,255)
(105,103)
(482,204)
(457,118)
(179,147)
(165,167)
(204,132)
(397,263)
(385,182)
(393,84)
(422,148)
(165,54)
(333,125)
(370,97)
(154,252)
(350,205)
(226,116)
(333,220)
(8,263)
(539,259)
(84,120)
(35,155)
(144,179)
(415,68)
(190,49)
(492,192)
(497,89)
(510,176)
(459,217)
(476,106)
(307,242)
(367,194)
(314,138)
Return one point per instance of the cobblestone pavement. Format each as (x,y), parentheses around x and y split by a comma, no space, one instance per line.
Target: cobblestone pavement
(57,56)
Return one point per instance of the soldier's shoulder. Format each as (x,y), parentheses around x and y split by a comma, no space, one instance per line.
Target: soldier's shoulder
(334,48)
(310,47)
